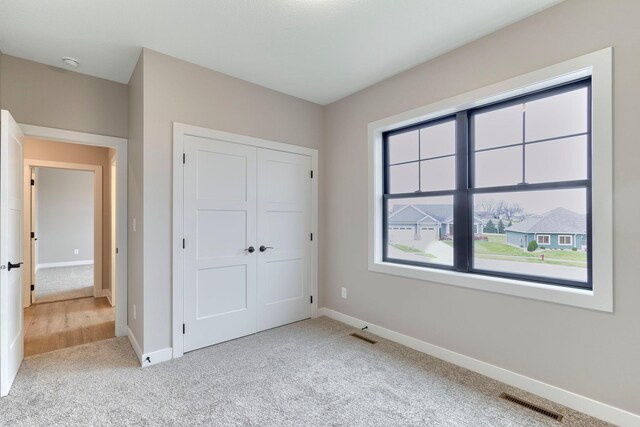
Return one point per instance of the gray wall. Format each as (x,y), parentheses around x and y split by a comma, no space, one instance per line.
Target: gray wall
(588,352)
(38,94)
(64,211)
(175,90)
(135,282)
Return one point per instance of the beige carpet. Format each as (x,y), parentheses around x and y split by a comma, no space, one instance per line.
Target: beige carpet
(310,373)
(63,283)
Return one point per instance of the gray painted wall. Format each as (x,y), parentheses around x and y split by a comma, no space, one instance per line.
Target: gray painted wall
(38,94)
(588,352)
(64,211)
(175,90)
(135,276)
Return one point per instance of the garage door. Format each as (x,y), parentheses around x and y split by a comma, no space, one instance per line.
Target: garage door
(401,234)
(428,234)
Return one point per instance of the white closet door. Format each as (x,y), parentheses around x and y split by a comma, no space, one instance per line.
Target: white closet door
(284,229)
(219,224)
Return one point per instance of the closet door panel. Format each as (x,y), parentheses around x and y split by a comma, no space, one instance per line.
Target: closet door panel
(284,207)
(220,224)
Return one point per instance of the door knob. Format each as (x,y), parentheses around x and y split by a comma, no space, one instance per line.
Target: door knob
(250,249)
(264,248)
(10,266)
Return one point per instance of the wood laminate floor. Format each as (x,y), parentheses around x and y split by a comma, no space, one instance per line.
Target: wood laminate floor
(55,325)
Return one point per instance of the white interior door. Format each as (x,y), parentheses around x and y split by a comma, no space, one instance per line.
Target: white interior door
(219,226)
(284,238)
(11,314)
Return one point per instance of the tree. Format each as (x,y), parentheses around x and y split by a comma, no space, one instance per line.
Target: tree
(509,210)
(510,223)
(490,227)
(487,206)
(501,227)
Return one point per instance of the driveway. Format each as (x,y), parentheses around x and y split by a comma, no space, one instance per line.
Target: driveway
(442,252)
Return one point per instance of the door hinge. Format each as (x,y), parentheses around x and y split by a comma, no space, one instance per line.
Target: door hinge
(184,244)
(33,234)
(33,182)
(116,251)
(183,329)
(311,174)
(311,299)
(312,237)
(184,158)
(33,287)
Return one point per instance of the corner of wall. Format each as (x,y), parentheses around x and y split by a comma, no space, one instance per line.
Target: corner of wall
(135,252)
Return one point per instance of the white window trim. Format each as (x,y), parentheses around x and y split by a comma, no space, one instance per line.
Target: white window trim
(598,65)
(570,236)
(547,236)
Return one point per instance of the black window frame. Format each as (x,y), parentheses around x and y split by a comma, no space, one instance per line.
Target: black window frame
(464,190)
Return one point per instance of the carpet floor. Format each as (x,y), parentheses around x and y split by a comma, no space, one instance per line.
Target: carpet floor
(63,283)
(310,373)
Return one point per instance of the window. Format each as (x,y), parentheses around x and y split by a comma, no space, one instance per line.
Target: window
(521,166)
(543,239)
(565,240)
(545,185)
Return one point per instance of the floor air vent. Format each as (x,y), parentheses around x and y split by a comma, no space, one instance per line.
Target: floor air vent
(363,338)
(538,409)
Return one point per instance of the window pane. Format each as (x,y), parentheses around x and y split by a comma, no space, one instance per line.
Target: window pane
(403,147)
(559,115)
(403,178)
(498,127)
(557,160)
(525,239)
(420,230)
(438,140)
(498,167)
(438,174)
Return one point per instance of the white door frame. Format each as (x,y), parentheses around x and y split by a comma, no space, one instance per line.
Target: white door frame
(120,145)
(180,130)
(98,263)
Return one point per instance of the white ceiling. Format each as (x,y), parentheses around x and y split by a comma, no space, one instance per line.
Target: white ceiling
(319,50)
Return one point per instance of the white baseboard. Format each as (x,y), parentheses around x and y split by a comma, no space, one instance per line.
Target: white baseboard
(148,359)
(135,345)
(564,397)
(64,264)
(156,357)
(107,293)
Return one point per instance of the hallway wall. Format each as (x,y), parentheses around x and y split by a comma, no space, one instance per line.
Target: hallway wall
(73,153)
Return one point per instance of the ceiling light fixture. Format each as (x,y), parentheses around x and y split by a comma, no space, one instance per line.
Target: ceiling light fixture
(70,62)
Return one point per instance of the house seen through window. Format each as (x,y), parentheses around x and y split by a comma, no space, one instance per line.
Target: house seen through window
(502,190)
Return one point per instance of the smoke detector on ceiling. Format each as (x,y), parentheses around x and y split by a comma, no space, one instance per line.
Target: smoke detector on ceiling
(70,62)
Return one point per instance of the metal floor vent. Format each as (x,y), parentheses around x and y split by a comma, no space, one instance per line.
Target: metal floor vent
(539,409)
(363,338)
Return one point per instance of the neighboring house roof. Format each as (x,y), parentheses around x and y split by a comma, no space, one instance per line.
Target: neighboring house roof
(407,214)
(423,213)
(559,220)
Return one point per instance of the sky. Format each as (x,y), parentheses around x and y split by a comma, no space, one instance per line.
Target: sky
(496,163)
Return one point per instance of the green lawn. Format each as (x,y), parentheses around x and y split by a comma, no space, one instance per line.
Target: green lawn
(496,247)
(411,250)
(566,254)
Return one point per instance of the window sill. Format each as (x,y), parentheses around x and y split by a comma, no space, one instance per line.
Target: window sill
(538,291)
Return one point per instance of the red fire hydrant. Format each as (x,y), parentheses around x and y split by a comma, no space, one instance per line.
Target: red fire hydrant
(542,257)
